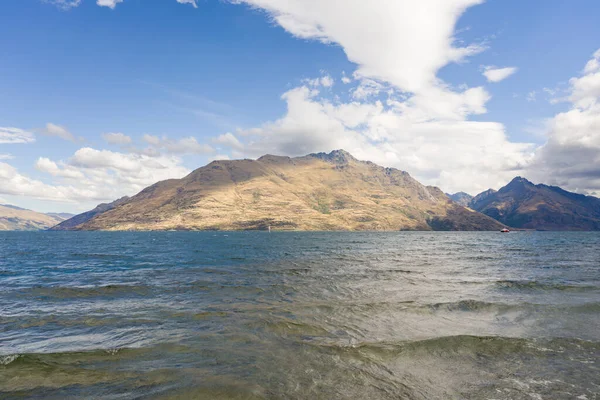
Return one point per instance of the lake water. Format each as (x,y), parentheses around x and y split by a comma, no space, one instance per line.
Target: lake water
(253,315)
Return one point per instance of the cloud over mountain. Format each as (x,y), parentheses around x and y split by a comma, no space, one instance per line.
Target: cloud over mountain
(571,156)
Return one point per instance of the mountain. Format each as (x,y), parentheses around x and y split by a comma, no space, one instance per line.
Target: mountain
(320,191)
(461,198)
(521,204)
(480,198)
(79,219)
(13,218)
(61,216)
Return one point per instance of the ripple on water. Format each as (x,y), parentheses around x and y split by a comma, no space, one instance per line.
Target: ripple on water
(300,315)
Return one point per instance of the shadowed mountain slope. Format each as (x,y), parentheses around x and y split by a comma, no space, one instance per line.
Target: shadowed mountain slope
(461,198)
(79,219)
(521,204)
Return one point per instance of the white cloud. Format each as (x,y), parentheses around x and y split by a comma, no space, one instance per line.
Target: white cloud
(345,79)
(68,4)
(188,145)
(6,157)
(229,140)
(117,138)
(401,114)
(151,139)
(585,90)
(594,64)
(192,2)
(402,42)
(494,74)
(64,4)
(46,165)
(15,135)
(14,183)
(96,175)
(108,3)
(58,131)
(414,135)
(367,88)
(325,81)
(532,96)
(571,156)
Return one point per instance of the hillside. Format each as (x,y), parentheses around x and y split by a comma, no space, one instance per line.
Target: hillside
(521,204)
(320,191)
(14,218)
(461,198)
(79,219)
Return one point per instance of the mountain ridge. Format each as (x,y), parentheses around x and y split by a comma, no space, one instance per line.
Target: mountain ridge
(319,191)
(523,204)
(14,218)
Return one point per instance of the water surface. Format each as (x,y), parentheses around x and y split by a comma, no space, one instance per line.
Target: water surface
(218,315)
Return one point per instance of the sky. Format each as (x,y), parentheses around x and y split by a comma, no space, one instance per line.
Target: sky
(101,98)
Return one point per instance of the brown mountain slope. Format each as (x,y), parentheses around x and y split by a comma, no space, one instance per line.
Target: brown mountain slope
(19,219)
(522,204)
(317,192)
(79,219)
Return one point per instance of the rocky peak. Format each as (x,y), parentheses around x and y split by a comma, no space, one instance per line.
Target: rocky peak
(520,181)
(517,184)
(338,157)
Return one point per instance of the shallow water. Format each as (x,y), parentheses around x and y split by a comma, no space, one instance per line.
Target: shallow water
(253,315)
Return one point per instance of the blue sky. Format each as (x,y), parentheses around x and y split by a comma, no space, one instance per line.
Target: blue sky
(183,85)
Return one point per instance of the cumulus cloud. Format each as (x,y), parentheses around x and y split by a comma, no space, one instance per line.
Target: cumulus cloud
(14,183)
(367,88)
(494,74)
(92,174)
(345,79)
(15,135)
(571,156)
(58,131)
(594,64)
(402,42)
(325,81)
(192,2)
(229,140)
(108,3)
(585,90)
(117,138)
(413,134)
(46,165)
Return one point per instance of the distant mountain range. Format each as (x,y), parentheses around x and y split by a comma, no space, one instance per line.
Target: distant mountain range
(320,191)
(521,204)
(333,191)
(13,218)
(462,198)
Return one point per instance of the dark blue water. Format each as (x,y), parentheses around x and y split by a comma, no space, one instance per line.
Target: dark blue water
(300,315)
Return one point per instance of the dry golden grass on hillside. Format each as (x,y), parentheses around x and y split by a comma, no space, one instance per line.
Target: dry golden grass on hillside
(316,192)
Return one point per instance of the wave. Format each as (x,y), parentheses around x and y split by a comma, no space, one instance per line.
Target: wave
(447,346)
(473,305)
(536,285)
(68,292)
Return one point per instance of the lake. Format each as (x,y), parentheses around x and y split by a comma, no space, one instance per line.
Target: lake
(299,315)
